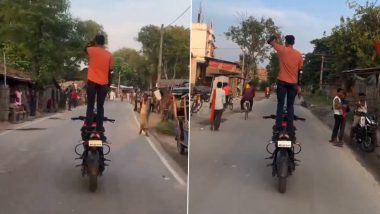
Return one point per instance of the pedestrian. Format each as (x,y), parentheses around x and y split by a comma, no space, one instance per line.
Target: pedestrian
(217,105)
(291,63)
(227,91)
(98,80)
(248,95)
(32,102)
(151,103)
(18,94)
(345,111)
(144,114)
(338,117)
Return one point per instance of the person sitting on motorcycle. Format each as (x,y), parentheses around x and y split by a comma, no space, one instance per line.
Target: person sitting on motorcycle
(360,110)
(248,94)
(227,90)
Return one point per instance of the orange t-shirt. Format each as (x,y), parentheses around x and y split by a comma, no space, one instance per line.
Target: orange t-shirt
(290,63)
(99,66)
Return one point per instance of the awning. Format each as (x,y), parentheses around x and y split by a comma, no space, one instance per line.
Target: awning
(221,67)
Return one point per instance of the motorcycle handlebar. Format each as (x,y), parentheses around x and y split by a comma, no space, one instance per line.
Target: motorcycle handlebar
(83,118)
(272,116)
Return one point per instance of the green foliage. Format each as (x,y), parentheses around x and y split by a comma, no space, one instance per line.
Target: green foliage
(251,36)
(176,54)
(41,37)
(166,127)
(349,46)
(273,68)
(132,67)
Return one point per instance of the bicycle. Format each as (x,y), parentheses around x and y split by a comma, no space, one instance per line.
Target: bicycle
(230,102)
(247,106)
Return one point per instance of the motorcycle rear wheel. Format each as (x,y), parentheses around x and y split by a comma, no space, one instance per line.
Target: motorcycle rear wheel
(282,184)
(93,182)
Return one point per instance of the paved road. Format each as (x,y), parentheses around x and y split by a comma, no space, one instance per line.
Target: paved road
(37,173)
(228,172)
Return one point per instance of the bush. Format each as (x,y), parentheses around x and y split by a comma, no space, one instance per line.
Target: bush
(167,127)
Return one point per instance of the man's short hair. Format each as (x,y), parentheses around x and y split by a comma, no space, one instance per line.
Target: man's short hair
(339,90)
(219,84)
(289,39)
(361,94)
(100,39)
(225,84)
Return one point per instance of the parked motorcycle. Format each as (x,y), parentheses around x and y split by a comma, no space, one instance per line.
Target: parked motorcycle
(94,144)
(364,134)
(196,103)
(285,148)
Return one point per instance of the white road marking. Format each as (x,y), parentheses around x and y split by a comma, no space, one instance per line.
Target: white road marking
(162,157)
(29,124)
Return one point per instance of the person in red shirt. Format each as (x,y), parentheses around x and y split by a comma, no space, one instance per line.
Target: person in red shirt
(291,63)
(98,78)
(227,91)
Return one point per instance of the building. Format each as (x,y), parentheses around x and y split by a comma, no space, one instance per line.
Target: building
(202,45)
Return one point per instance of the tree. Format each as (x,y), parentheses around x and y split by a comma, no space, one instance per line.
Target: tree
(176,54)
(132,66)
(273,68)
(41,37)
(251,35)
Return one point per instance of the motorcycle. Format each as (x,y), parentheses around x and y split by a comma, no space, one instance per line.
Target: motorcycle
(93,161)
(285,148)
(364,133)
(196,103)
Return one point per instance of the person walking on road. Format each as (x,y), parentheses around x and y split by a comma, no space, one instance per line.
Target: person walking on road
(217,106)
(248,94)
(291,63)
(98,79)
(338,117)
(144,114)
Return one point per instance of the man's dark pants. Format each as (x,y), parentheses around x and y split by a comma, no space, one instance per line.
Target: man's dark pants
(217,118)
(337,126)
(99,92)
(342,127)
(289,91)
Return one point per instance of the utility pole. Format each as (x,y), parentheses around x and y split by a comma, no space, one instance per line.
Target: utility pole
(242,71)
(5,69)
(321,74)
(160,54)
(118,85)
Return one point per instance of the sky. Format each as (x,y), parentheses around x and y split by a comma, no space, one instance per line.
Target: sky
(306,19)
(123,19)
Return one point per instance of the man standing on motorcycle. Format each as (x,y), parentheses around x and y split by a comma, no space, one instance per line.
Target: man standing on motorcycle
(100,65)
(291,63)
(360,110)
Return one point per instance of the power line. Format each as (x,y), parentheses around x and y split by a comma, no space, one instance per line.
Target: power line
(183,13)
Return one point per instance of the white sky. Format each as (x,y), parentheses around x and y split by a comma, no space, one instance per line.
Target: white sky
(122,19)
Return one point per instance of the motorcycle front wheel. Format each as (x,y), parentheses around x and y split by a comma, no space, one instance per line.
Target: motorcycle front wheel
(93,162)
(368,145)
